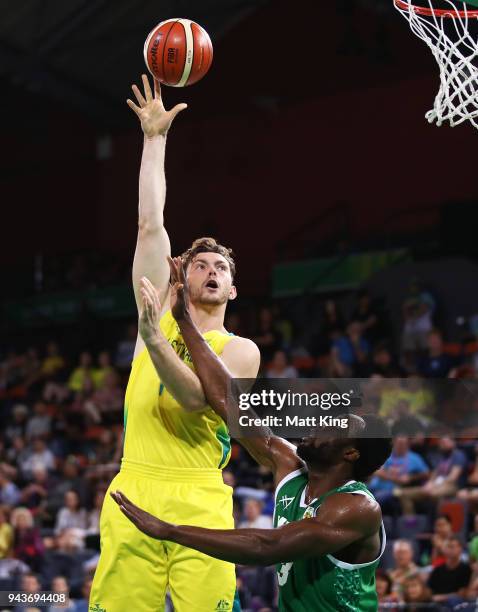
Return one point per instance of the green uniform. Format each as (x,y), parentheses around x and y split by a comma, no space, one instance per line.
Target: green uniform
(325,584)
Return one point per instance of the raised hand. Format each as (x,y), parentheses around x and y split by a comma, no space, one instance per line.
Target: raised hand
(150,311)
(145,522)
(155,119)
(179,289)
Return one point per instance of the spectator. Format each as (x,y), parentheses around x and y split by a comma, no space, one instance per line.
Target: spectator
(253,517)
(470,494)
(66,558)
(280,367)
(18,453)
(257,587)
(383,584)
(383,363)
(39,458)
(449,581)
(93,520)
(332,326)
(82,373)
(106,403)
(415,593)
(9,493)
(70,480)
(404,566)
(28,545)
(403,468)
(418,309)
(81,605)
(31,367)
(349,353)
(104,368)
(442,531)
(53,362)
(436,363)
(34,495)
(30,584)
(40,423)
(366,314)
(18,426)
(71,515)
(125,348)
(268,338)
(60,585)
(6,534)
(445,478)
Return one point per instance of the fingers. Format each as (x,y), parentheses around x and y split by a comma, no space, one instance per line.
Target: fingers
(182,273)
(147,88)
(151,292)
(138,96)
(126,505)
(124,500)
(133,106)
(177,109)
(173,268)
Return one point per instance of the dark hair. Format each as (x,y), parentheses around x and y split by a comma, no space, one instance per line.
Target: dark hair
(382,575)
(455,538)
(209,245)
(444,516)
(374,446)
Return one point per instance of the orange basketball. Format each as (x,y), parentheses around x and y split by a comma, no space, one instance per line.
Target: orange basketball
(178,52)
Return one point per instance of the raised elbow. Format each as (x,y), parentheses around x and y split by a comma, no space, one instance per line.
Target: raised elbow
(149,227)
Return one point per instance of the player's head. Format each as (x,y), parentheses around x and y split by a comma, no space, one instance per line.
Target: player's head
(360,448)
(210,270)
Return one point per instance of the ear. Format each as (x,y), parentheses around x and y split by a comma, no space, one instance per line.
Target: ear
(351,454)
(233,293)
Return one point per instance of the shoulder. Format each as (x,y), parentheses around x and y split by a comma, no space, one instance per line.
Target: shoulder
(244,345)
(361,512)
(242,356)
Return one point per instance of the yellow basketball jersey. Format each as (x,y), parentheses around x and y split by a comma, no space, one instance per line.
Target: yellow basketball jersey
(157,429)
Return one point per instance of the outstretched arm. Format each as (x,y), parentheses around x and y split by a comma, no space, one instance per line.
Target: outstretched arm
(240,359)
(152,245)
(342,520)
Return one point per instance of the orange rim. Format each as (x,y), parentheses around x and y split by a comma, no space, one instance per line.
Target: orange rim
(431,12)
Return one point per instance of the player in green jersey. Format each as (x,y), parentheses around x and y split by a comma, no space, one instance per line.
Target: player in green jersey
(329,533)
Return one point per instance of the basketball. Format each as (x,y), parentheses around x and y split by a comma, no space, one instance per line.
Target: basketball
(178,52)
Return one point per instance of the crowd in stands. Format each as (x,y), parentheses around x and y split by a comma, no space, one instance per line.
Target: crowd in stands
(61,443)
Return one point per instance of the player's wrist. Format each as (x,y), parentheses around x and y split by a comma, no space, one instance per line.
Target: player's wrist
(153,340)
(155,136)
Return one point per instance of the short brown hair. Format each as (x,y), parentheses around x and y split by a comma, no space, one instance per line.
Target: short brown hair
(209,245)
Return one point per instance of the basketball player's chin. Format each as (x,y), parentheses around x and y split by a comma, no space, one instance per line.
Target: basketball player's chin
(211,300)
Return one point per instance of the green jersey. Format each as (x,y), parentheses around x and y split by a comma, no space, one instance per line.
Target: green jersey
(325,583)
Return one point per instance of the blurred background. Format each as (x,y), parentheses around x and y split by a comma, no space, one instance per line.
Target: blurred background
(307,142)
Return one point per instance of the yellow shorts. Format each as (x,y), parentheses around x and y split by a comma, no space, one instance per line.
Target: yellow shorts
(134,570)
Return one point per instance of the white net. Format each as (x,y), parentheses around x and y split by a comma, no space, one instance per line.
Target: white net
(452,36)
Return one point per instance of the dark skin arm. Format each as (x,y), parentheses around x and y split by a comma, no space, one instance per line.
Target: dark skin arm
(271,451)
(342,521)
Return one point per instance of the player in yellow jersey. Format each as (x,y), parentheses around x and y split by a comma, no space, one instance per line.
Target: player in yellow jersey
(175,446)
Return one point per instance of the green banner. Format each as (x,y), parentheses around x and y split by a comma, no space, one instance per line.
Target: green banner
(331,273)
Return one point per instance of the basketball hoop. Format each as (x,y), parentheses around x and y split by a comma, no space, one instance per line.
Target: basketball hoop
(447,33)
